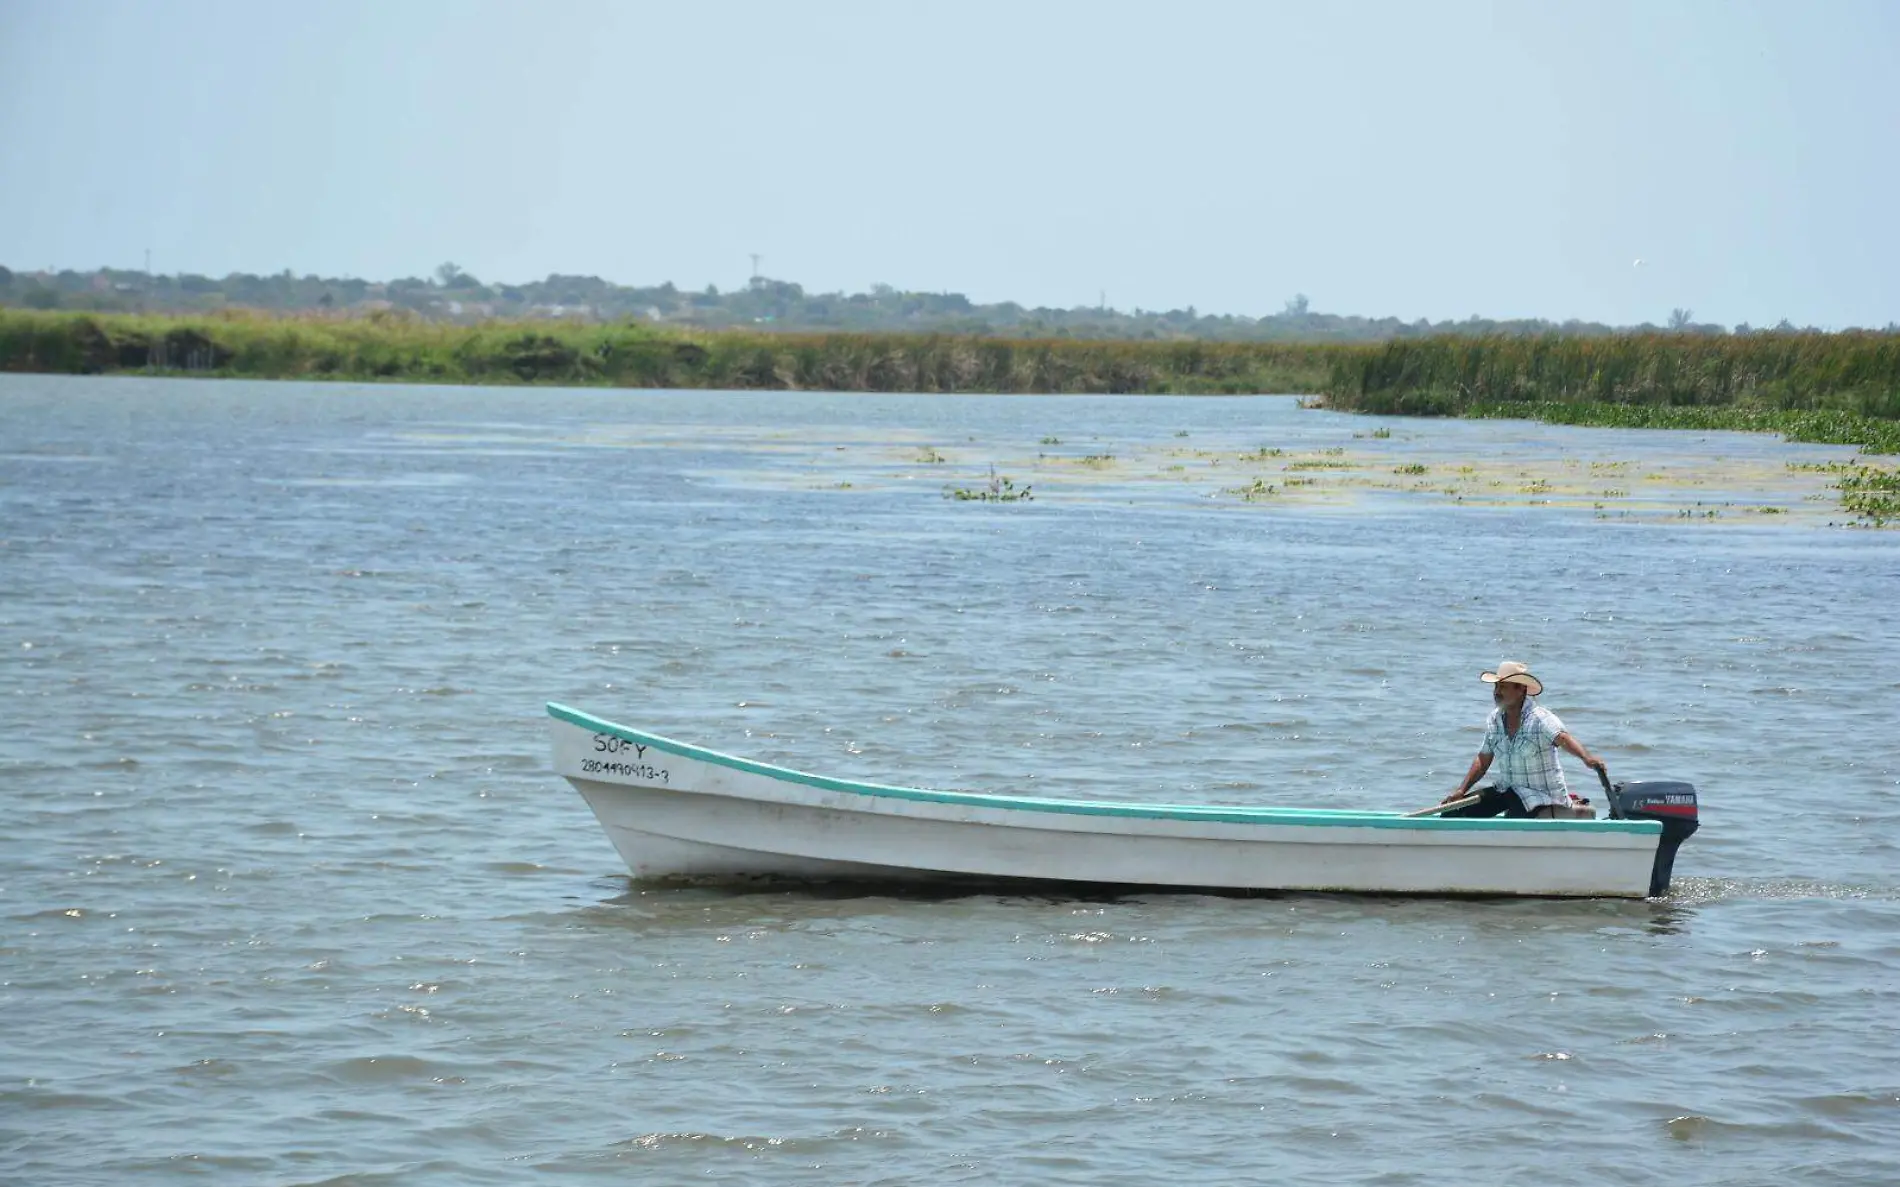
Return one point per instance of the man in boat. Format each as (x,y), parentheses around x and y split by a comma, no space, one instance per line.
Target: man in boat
(1523,738)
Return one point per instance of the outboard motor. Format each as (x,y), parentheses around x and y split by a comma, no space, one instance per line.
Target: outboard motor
(1670,801)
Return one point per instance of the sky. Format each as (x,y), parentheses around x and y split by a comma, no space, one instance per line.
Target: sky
(1407,158)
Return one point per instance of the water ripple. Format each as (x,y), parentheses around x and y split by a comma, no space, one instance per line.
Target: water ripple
(290,896)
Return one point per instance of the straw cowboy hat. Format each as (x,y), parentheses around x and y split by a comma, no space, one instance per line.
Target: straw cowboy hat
(1512,672)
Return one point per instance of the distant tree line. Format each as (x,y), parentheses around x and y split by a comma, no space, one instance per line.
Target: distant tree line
(452,295)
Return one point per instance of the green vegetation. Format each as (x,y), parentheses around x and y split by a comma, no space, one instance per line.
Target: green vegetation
(388,346)
(1838,388)
(1841,388)
(999,489)
(1872,494)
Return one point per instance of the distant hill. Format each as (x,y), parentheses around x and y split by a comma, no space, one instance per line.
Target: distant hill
(452,295)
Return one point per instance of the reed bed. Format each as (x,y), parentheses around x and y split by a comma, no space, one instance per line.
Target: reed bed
(1841,388)
(397,348)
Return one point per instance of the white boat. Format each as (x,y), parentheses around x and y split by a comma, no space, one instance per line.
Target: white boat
(677,811)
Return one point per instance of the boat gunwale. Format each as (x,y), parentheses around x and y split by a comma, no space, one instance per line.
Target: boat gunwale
(1213,813)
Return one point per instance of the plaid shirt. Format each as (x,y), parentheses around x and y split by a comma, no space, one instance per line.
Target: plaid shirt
(1527,763)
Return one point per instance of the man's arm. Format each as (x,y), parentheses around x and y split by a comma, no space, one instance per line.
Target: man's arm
(1479,766)
(1567,742)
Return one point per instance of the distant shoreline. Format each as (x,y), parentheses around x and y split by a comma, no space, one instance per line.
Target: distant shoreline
(762,303)
(573,353)
(1836,388)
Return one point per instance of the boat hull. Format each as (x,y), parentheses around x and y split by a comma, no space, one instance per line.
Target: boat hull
(675,811)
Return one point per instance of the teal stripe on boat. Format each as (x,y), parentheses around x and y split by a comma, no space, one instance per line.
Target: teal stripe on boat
(1222,813)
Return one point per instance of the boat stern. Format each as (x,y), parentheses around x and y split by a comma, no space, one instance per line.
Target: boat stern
(1671,803)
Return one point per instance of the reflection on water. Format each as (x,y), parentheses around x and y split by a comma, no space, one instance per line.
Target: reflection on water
(1703,890)
(643,900)
(649,908)
(293,893)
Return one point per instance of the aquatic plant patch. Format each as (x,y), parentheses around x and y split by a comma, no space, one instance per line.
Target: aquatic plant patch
(999,488)
(1872,493)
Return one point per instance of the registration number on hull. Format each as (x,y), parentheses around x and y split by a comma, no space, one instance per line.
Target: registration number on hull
(628,761)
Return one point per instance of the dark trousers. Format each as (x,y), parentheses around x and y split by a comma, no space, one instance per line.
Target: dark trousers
(1493,801)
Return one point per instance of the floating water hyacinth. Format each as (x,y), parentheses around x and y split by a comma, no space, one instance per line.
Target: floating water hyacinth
(999,489)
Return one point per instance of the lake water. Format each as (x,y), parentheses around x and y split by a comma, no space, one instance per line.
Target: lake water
(288,893)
